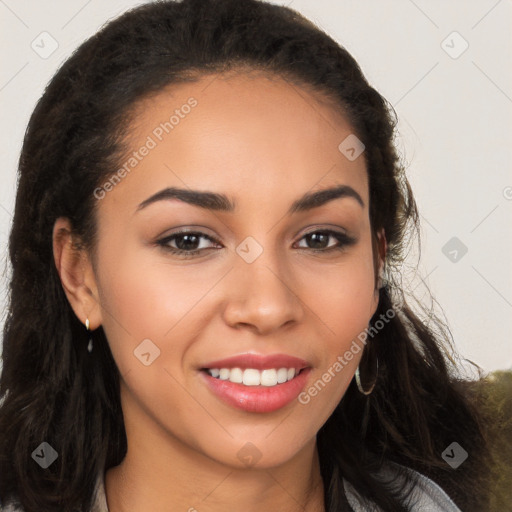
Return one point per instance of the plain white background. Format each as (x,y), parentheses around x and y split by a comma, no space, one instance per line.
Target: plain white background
(445,67)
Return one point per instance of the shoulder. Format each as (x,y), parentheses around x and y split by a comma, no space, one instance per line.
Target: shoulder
(425,496)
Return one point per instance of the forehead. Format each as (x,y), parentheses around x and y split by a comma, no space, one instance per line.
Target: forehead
(244,133)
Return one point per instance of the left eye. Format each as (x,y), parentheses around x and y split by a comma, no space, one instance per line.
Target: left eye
(319,237)
(189,243)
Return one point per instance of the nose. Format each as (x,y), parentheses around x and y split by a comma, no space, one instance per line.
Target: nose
(262,296)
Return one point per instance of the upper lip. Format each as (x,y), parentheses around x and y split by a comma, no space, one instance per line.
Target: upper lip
(259,362)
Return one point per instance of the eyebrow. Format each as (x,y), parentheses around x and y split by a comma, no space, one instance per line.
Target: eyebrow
(220,202)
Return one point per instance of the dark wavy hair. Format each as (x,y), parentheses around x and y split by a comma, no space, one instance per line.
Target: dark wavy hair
(52,389)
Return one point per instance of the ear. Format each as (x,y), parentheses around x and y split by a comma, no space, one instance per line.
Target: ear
(76,273)
(382,246)
(379,250)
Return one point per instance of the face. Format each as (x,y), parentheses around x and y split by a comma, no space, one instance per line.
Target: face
(235,339)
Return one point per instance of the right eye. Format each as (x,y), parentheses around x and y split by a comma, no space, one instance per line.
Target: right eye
(186,243)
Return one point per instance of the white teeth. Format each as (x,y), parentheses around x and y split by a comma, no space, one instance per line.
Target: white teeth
(253,377)
(282,375)
(268,377)
(236,375)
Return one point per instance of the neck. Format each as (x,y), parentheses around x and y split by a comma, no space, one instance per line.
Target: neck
(128,489)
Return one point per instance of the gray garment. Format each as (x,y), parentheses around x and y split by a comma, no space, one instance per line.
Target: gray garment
(427,496)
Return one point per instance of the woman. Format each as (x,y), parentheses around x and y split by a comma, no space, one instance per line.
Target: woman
(205,308)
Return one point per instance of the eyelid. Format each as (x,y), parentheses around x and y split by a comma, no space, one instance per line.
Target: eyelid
(203,230)
(324,227)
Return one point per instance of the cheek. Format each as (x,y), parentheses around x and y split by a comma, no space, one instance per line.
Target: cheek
(345,307)
(344,299)
(145,297)
(343,295)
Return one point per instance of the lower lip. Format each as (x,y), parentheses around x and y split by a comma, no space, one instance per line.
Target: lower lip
(257,398)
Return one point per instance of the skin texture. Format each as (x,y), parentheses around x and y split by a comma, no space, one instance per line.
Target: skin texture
(263,143)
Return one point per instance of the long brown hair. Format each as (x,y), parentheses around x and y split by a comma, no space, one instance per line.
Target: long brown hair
(52,390)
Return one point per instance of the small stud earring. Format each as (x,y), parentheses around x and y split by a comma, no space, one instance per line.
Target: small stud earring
(89,346)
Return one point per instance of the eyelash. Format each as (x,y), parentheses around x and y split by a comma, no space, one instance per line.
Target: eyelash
(343,242)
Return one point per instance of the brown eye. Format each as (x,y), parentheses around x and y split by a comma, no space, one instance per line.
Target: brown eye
(319,240)
(186,243)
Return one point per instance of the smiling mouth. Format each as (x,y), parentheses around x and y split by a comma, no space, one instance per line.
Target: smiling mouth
(253,377)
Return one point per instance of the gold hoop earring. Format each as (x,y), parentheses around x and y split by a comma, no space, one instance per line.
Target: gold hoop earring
(90,345)
(358,380)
